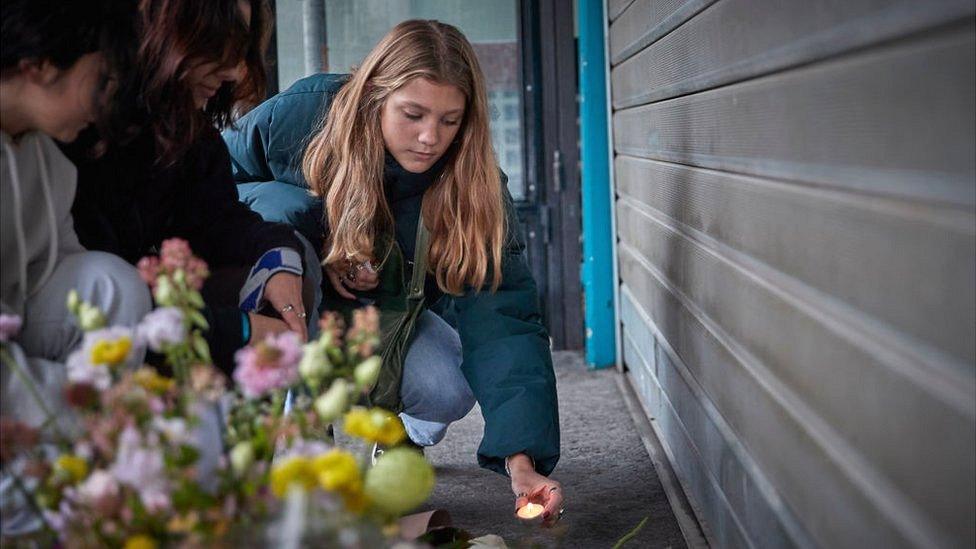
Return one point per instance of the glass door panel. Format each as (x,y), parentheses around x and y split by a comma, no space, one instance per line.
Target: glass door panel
(335,35)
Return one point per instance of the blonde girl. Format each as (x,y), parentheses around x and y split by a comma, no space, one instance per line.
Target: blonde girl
(414,217)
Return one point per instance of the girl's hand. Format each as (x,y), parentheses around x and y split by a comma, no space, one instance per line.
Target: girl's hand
(284,292)
(360,277)
(262,325)
(531,487)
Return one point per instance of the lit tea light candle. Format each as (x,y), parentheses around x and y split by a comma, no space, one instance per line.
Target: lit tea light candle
(530,511)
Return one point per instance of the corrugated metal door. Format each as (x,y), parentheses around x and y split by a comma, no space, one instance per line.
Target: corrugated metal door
(797,249)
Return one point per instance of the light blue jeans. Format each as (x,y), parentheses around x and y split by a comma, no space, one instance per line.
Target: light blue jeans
(433,389)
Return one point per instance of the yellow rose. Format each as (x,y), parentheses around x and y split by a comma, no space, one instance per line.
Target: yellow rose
(291,470)
(375,425)
(151,381)
(111,353)
(337,471)
(140,542)
(75,467)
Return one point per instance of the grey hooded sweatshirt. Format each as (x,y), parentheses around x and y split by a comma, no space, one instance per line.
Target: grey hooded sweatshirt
(37,187)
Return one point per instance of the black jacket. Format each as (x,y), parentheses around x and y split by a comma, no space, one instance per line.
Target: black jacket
(127,205)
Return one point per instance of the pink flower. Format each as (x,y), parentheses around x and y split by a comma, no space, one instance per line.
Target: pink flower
(9,326)
(175,253)
(268,365)
(196,273)
(149,269)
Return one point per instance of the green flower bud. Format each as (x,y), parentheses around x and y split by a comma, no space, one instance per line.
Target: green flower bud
(333,403)
(165,292)
(73,302)
(367,372)
(241,457)
(400,481)
(90,318)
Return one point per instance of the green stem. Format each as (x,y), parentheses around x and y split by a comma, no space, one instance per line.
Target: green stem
(29,498)
(630,535)
(25,379)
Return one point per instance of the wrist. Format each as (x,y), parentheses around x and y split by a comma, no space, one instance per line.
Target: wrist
(516,464)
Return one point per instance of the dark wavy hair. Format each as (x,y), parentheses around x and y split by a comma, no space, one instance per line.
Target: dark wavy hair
(59,31)
(174,36)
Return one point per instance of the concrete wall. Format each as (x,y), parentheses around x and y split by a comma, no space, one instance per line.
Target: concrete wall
(795,188)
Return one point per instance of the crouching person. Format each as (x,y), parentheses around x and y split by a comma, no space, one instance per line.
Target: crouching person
(195,64)
(53,80)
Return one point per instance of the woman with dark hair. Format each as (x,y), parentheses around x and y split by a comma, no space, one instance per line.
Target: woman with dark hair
(54,79)
(196,65)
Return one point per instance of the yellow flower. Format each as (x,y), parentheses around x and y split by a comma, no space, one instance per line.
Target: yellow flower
(375,425)
(292,470)
(355,500)
(75,467)
(140,542)
(337,470)
(151,381)
(111,352)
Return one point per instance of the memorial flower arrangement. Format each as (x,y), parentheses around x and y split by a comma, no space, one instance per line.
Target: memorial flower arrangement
(167,454)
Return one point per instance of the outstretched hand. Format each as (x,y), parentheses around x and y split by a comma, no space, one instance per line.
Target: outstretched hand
(531,487)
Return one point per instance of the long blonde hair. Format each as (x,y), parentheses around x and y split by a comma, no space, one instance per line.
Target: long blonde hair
(344,161)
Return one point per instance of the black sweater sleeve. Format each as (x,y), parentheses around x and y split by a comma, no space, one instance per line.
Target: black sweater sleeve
(219,228)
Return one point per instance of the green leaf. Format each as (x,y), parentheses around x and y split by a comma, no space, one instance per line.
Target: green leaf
(201,347)
(195,299)
(197,319)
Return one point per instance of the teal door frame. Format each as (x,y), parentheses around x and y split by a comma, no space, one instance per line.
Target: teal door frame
(599,268)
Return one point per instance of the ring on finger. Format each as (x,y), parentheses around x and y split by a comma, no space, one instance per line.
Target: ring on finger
(288,307)
(302,314)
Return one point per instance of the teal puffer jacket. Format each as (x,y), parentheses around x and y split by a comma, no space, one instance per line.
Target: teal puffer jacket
(506,356)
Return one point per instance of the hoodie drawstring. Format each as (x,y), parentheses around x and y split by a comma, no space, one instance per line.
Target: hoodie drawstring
(18,220)
(52,220)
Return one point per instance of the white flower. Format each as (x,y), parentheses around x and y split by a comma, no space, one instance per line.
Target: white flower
(333,403)
(174,429)
(315,362)
(81,370)
(367,372)
(82,365)
(164,326)
(142,468)
(99,486)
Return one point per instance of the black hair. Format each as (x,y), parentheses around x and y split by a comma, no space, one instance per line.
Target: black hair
(57,31)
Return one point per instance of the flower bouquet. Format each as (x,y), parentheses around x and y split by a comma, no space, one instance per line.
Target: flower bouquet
(150,458)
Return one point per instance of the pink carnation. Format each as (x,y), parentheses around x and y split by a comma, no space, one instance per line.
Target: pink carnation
(9,326)
(175,254)
(196,272)
(149,268)
(268,365)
